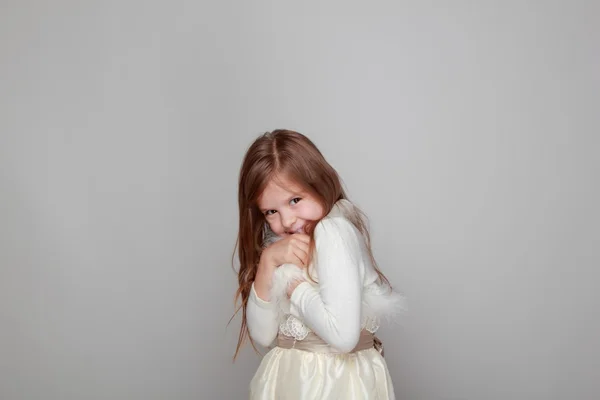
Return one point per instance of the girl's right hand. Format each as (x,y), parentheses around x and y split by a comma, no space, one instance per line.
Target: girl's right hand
(292,249)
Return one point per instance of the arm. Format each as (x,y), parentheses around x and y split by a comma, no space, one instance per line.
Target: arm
(261,317)
(333,311)
(261,314)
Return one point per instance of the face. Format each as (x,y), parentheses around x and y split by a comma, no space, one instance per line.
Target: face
(287,207)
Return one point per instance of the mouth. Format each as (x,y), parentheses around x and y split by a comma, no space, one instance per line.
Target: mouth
(299,230)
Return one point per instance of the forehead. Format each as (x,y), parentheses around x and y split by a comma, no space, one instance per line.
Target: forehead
(277,191)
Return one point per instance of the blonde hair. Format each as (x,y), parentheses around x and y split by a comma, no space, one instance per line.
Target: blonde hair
(276,154)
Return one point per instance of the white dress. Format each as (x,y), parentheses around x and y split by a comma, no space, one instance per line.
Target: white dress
(343,308)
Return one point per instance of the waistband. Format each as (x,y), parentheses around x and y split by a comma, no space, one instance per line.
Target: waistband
(315,344)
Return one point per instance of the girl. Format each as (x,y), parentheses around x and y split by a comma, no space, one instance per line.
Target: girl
(308,282)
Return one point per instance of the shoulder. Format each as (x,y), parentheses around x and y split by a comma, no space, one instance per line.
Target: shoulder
(334,225)
(337,230)
(339,220)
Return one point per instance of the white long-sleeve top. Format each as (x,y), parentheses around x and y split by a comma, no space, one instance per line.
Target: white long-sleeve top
(347,289)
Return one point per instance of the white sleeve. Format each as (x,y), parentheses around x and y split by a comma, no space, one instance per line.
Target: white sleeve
(333,311)
(262,319)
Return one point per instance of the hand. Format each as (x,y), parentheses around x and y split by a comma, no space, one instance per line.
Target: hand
(292,286)
(292,249)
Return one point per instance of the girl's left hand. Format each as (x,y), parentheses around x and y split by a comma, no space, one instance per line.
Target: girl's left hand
(292,286)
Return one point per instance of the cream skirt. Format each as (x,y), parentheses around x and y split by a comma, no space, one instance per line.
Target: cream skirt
(304,374)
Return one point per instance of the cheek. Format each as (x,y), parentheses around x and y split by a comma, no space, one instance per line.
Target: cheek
(275,226)
(321,212)
(317,211)
(314,212)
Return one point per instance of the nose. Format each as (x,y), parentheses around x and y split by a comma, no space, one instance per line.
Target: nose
(288,220)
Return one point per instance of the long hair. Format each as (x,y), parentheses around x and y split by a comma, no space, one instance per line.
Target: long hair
(289,154)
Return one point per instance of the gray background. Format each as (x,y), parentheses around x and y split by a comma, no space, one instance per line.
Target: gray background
(467,132)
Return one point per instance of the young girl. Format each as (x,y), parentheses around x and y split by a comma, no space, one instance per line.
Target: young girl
(308,282)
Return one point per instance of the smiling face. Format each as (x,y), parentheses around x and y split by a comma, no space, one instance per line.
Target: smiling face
(287,207)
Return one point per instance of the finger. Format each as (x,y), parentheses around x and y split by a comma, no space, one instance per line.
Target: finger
(300,245)
(302,256)
(301,237)
(299,262)
(296,256)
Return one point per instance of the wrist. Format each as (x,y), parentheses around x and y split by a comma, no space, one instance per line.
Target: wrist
(266,264)
(263,279)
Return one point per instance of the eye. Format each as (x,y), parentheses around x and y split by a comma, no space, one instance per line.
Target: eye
(295,200)
(270,212)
